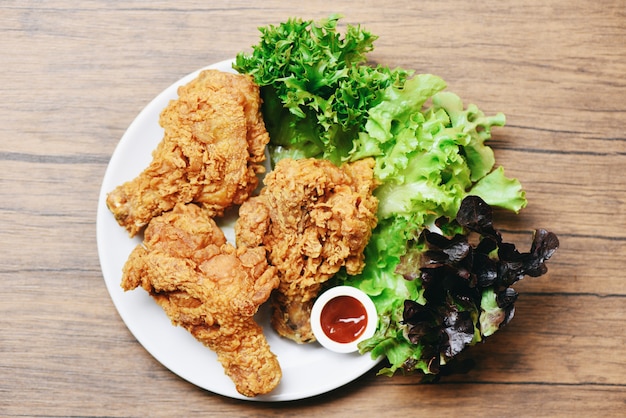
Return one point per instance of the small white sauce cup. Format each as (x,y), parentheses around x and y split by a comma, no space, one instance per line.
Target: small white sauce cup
(323,299)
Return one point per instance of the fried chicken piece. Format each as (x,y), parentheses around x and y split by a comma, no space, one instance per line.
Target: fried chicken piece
(313,218)
(211,152)
(210,288)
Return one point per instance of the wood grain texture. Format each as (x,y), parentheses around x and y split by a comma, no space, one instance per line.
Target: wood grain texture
(75,74)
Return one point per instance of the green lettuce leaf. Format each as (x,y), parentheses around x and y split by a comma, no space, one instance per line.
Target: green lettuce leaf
(315,87)
(498,190)
(430,155)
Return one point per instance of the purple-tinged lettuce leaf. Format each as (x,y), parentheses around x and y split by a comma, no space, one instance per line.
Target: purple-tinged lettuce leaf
(463,289)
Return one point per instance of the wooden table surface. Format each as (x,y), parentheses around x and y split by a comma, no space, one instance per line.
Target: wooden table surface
(75,74)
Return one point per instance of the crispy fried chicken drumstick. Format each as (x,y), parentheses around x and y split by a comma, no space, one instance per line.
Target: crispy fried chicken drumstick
(210,288)
(313,218)
(212,149)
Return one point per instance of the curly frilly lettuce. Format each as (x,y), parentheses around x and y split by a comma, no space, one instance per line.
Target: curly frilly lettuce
(316,88)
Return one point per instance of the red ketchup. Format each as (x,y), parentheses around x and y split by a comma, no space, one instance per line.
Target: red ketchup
(343,319)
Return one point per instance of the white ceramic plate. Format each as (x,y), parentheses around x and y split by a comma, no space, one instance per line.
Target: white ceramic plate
(308,370)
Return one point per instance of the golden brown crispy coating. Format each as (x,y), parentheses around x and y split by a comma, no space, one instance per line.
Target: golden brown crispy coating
(211,289)
(212,149)
(313,218)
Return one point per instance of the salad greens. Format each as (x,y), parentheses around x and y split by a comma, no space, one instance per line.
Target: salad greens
(463,290)
(315,90)
(435,295)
